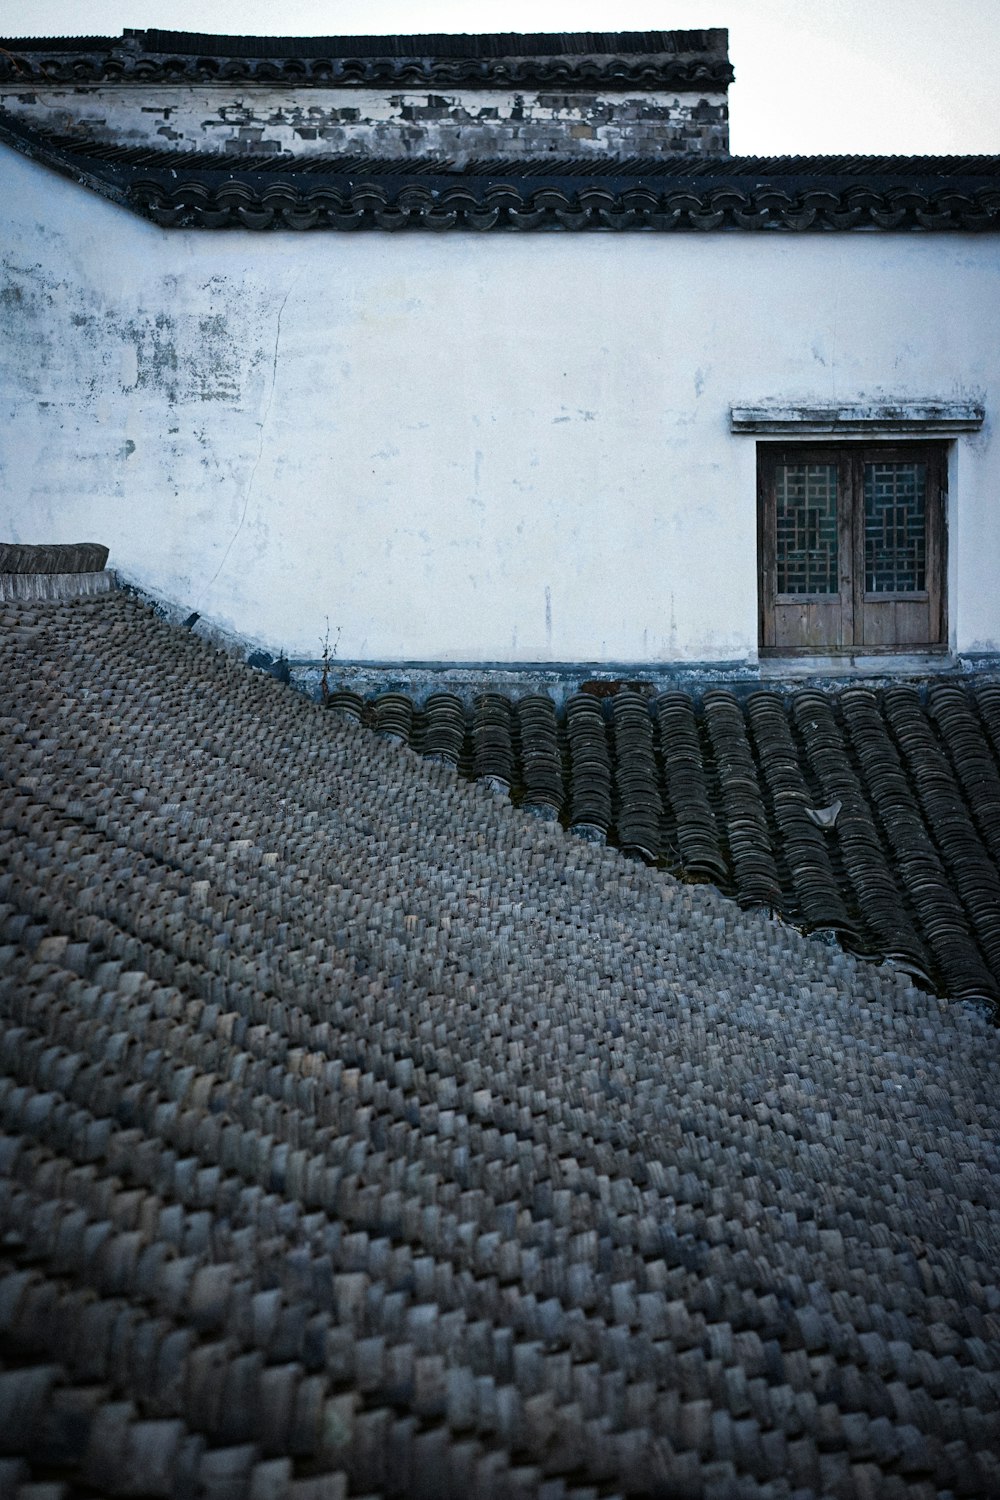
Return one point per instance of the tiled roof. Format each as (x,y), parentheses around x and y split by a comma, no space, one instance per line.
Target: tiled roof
(361,1135)
(78,557)
(626,59)
(185,189)
(732,789)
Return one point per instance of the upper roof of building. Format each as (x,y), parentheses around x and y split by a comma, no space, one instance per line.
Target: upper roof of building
(590,166)
(618,59)
(362,1135)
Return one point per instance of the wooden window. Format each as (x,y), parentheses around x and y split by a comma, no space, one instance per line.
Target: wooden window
(851,547)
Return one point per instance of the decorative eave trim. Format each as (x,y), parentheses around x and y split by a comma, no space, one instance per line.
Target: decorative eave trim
(477,203)
(862,419)
(616,73)
(199,191)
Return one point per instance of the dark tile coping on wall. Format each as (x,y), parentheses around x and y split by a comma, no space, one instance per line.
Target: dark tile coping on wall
(617,60)
(686,193)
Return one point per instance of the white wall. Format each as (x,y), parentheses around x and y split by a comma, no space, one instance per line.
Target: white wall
(505,447)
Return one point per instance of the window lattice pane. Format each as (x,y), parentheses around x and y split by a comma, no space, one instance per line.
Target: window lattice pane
(807,529)
(895,528)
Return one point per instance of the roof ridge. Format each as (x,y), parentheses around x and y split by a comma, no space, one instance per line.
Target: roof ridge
(713,40)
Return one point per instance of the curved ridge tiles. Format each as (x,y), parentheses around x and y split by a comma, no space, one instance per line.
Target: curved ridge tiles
(481,204)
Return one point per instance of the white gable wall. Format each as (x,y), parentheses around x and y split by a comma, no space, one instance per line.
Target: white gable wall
(464,447)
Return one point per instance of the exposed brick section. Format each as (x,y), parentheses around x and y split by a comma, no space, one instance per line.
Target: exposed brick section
(459,126)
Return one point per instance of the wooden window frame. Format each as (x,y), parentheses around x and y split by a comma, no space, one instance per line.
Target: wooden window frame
(850,459)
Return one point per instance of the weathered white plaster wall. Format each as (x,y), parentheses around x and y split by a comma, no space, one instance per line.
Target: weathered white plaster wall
(247,117)
(466,447)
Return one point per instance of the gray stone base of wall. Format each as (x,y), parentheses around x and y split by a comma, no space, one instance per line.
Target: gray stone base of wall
(418,680)
(53,586)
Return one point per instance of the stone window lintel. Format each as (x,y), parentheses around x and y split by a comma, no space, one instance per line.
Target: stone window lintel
(864,418)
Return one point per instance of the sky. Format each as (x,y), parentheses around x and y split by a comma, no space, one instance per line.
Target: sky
(908,77)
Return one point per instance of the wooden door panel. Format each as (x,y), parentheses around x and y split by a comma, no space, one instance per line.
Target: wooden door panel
(808,625)
(891,623)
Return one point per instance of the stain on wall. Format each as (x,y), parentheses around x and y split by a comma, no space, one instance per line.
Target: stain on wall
(51,322)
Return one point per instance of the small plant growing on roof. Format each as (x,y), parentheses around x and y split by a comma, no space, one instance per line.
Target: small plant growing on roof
(329,654)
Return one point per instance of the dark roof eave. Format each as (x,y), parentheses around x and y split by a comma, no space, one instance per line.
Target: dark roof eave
(188,190)
(78,170)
